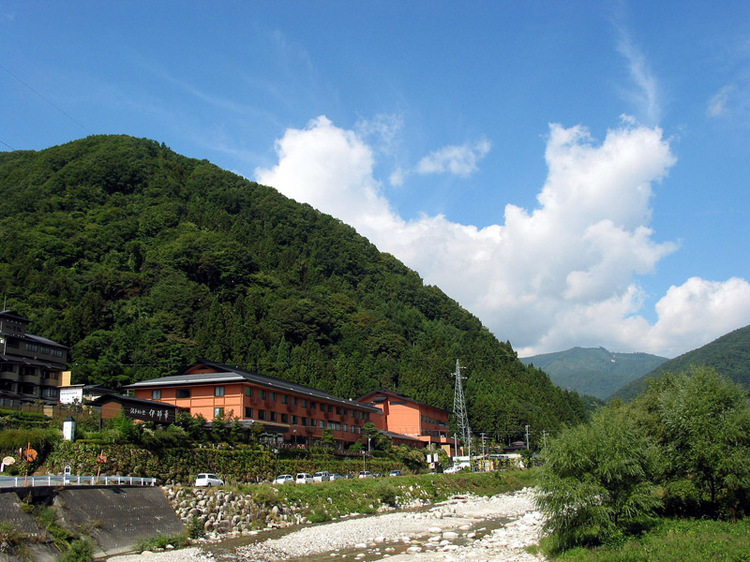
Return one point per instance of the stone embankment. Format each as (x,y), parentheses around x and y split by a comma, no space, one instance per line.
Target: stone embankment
(222,514)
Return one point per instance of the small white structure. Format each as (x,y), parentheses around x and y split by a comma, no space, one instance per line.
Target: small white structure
(69,429)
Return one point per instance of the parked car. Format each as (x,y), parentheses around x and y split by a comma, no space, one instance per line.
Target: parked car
(322,476)
(284,479)
(394,473)
(206,479)
(452,469)
(303,478)
(365,474)
(337,476)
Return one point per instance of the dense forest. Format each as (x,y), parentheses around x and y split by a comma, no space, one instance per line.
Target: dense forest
(729,355)
(140,259)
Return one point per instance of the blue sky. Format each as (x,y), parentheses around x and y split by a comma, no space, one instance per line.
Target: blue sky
(573,173)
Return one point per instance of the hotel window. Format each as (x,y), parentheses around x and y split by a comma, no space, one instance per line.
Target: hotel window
(272,396)
(248,412)
(218,391)
(322,424)
(273,416)
(284,418)
(330,408)
(294,420)
(218,412)
(156,395)
(261,414)
(294,400)
(183,393)
(304,402)
(262,394)
(346,427)
(283,398)
(249,391)
(304,421)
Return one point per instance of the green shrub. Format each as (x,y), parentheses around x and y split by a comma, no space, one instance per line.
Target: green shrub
(597,481)
(12,541)
(193,528)
(80,550)
(161,542)
(386,493)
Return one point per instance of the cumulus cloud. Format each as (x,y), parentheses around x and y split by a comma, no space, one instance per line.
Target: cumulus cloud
(561,274)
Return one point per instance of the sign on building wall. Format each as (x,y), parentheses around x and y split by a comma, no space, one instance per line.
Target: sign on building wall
(148,413)
(71,395)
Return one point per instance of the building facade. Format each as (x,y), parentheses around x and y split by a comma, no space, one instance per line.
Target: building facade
(32,368)
(297,414)
(404,416)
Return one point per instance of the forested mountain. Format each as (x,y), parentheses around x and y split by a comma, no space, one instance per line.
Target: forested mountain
(729,355)
(594,371)
(140,259)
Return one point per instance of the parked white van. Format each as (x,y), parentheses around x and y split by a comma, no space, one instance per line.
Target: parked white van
(322,476)
(303,478)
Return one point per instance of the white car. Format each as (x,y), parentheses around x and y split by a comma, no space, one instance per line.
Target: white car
(452,469)
(303,478)
(322,476)
(284,479)
(365,474)
(206,479)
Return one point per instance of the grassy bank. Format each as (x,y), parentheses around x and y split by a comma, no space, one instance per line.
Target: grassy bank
(328,500)
(673,539)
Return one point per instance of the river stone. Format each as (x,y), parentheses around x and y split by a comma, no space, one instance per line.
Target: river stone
(450,535)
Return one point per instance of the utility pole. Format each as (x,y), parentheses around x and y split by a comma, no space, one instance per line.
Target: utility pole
(459,409)
(483,442)
(527,436)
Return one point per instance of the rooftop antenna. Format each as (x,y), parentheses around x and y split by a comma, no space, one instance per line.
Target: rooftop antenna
(459,409)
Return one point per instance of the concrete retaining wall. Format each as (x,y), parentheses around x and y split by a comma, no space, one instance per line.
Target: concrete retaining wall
(115,517)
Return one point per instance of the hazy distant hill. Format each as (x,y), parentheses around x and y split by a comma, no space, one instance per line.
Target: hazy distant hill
(594,371)
(729,355)
(141,259)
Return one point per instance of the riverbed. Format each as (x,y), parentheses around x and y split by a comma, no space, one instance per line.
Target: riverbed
(463,528)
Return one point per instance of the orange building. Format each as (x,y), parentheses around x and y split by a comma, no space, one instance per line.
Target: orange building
(296,412)
(408,417)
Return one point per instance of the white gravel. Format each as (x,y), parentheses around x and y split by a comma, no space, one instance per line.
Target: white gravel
(428,535)
(448,531)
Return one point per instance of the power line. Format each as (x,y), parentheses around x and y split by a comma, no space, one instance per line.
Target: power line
(45,99)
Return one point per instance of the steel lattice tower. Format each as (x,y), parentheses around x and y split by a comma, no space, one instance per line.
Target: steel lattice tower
(459,409)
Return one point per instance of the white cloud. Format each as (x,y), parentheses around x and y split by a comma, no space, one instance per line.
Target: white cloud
(645,93)
(718,105)
(458,160)
(562,274)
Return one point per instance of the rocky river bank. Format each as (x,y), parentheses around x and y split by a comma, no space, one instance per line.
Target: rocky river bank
(463,528)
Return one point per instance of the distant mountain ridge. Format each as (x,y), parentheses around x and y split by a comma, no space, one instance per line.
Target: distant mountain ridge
(729,355)
(594,371)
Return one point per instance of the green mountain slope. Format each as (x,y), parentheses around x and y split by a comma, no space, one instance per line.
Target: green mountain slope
(594,371)
(729,355)
(141,259)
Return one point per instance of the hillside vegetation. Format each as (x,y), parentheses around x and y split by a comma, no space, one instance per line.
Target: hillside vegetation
(729,355)
(140,259)
(594,371)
